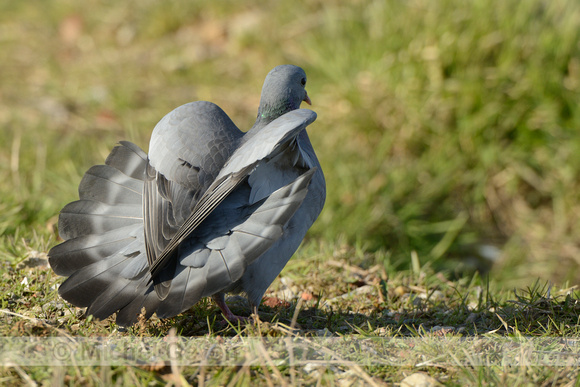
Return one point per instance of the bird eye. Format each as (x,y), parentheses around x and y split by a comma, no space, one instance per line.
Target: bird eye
(303,81)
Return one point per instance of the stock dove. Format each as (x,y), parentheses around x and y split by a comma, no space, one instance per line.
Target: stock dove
(210,210)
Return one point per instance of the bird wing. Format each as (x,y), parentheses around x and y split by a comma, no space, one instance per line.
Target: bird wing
(187,150)
(268,143)
(215,256)
(270,140)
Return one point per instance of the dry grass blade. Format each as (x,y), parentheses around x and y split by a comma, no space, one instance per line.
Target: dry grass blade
(39,321)
(270,363)
(27,379)
(337,359)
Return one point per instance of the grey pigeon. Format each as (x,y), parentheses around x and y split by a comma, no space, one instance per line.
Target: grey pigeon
(210,210)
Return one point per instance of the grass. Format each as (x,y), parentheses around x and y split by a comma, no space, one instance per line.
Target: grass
(422,309)
(447,132)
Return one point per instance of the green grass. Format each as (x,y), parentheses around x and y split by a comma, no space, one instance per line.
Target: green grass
(370,306)
(445,129)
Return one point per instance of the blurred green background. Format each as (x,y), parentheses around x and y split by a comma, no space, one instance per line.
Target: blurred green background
(447,130)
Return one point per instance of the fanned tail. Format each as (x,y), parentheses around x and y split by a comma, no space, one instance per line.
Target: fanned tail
(103,253)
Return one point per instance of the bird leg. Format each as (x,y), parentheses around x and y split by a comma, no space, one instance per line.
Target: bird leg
(220,300)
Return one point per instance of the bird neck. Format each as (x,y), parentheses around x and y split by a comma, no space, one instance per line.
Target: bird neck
(269,112)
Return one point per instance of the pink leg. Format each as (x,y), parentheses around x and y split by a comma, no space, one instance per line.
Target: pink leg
(219,299)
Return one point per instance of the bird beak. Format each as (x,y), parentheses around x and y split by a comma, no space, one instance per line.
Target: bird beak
(307,99)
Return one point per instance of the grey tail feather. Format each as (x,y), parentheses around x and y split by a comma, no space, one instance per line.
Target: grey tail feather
(75,254)
(103,253)
(144,298)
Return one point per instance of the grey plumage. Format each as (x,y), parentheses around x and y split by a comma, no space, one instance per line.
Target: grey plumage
(210,210)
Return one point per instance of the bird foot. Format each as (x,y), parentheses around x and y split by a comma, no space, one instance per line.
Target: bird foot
(227,313)
(232,318)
